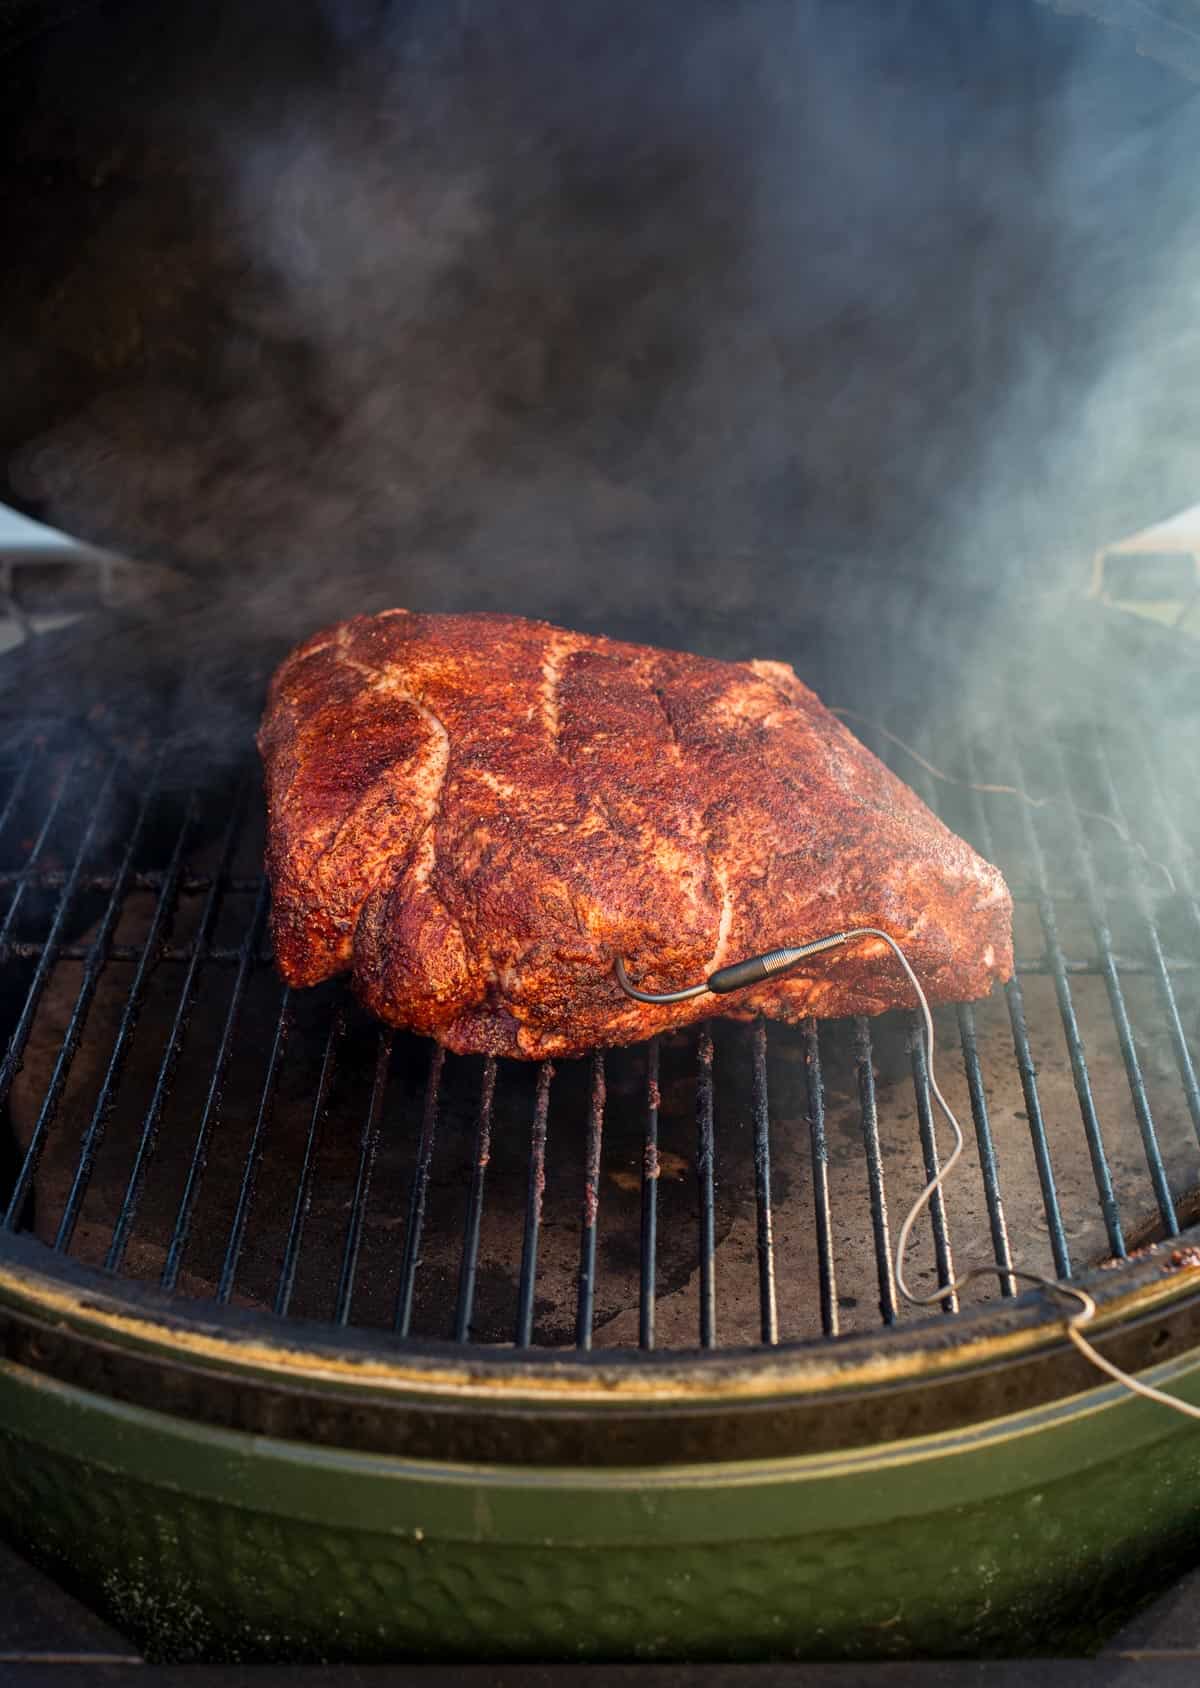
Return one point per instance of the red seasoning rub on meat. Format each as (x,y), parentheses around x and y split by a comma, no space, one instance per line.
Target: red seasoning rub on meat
(475,815)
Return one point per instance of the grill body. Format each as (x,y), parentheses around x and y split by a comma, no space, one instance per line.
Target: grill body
(317,1343)
(214,1542)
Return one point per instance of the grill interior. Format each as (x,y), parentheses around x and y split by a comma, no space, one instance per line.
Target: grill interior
(176,1116)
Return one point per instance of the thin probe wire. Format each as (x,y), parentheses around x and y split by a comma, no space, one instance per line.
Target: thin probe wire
(1121,830)
(1087,1306)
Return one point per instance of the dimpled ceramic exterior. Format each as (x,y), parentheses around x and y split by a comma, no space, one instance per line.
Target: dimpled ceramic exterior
(1030,1532)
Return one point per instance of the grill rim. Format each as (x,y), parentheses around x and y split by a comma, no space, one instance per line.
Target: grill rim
(241,1369)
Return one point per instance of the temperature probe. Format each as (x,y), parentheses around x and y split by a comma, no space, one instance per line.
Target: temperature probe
(751,972)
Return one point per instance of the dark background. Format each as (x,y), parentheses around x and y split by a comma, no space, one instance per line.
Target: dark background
(568,308)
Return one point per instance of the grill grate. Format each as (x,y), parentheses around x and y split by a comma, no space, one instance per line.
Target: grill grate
(177,1115)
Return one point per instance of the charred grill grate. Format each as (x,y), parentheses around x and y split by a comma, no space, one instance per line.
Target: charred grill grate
(175,1114)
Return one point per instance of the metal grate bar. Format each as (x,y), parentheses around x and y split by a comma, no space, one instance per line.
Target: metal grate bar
(237,1228)
(15,1051)
(415,1229)
(39,844)
(1177,856)
(174,1047)
(145,879)
(94,1134)
(212,1103)
(706,1180)
(987,1155)
(474,1219)
(764,1222)
(1026,1066)
(368,1147)
(997,1225)
(533,1206)
(586,1300)
(308,1164)
(16,793)
(1038,1136)
(649,1227)
(1066,1009)
(943,1254)
(869,1115)
(1179,1042)
(826,1271)
(97,954)
(29,950)
(1095,969)
(1098,915)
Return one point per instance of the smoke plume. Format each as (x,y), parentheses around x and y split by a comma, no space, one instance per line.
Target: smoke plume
(704,321)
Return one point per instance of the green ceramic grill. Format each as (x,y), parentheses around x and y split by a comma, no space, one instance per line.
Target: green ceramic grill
(321,1343)
(316,1343)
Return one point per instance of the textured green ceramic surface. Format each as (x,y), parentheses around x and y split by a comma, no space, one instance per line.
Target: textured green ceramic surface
(1020,1533)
